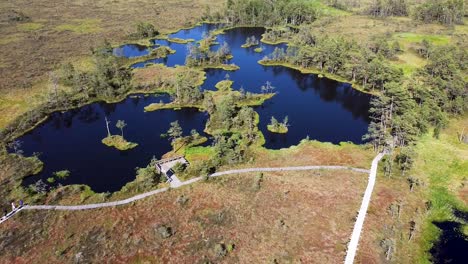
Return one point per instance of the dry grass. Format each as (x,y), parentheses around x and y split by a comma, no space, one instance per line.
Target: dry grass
(299,217)
(13,103)
(316,153)
(364,28)
(160,74)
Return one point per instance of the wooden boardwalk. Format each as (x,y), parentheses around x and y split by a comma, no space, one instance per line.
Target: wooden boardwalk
(11,214)
(358,225)
(191,181)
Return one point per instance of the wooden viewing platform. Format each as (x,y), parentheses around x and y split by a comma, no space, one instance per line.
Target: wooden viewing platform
(165,166)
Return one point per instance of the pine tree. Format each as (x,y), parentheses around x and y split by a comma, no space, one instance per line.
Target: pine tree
(175,131)
(120,125)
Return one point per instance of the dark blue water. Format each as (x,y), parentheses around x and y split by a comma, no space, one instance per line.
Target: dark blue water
(317,108)
(452,246)
(72,141)
(178,58)
(131,50)
(196,33)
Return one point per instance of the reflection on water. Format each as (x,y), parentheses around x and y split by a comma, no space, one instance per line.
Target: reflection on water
(317,108)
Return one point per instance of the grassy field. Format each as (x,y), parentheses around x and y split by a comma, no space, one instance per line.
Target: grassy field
(404,30)
(295,217)
(443,165)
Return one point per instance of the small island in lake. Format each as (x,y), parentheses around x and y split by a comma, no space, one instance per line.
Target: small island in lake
(118,141)
(250,42)
(277,127)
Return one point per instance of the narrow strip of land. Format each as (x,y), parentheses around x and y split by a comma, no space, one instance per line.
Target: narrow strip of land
(353,244)
(180,184)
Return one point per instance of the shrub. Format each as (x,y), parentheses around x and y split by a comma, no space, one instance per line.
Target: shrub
(164,231)
(179,167)
(182,199)
(62,174)
(257,181)
(18,16)
(145,30)
(220,250)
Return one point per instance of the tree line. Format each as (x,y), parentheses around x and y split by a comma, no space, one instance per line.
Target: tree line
(269,13)
(407,109)
(448,12)
(336,55)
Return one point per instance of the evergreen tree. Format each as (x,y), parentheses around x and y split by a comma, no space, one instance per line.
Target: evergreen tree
(274,123)
(120,125)
(175,131)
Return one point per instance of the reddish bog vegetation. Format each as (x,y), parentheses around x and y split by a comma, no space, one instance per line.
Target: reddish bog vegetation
(293,217)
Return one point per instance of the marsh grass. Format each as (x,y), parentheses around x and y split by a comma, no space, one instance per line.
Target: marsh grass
(443,163)
(31,26)
(81,26)
(119,143)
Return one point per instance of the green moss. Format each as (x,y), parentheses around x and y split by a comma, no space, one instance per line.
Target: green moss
(255,99)
(198,154)
(258,50)
(62,174)
(441,164)
(51,180)
(226,67)
(182,144)
(464,230)
(81,26)
(160,106)
(118,142)
(225,85)
(30,26)
(162,52)
(270,42)
(278,129)
(180,41)
(10,39)
(407,69)
(86,193)
(245,46)
(413,37)
(326,10)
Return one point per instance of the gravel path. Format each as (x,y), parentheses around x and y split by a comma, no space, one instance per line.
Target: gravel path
(180,184)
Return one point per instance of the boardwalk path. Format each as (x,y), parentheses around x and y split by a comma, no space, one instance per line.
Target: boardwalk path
(180,184)
(353,244)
